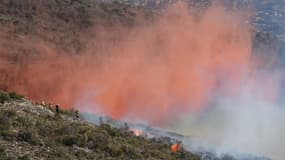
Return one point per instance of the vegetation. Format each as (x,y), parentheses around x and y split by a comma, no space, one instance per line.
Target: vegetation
(9,96)
(3,97)
(34,131)
(60,23)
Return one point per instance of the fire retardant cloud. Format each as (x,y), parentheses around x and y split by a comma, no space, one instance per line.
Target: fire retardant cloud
(153,72)
(193,73)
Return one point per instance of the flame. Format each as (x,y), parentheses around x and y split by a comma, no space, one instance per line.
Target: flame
(138,132)
(175,147)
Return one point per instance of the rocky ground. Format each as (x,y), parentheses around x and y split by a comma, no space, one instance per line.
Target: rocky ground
(29,131)
(36,131)
(61,23)
(32,131)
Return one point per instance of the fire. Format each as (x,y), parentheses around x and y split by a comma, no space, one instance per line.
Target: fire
(175,147)
(138,132)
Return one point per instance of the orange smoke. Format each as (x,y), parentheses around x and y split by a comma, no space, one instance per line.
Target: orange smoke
(153,72)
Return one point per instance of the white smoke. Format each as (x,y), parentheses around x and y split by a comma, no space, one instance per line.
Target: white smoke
(247,122)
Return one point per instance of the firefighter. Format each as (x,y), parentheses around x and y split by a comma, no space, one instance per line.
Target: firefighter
(50,106)
(126,126)
(77,114)
(100,120)
(43,103)
(57,108)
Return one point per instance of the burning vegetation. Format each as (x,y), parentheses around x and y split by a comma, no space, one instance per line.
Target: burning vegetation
(176,147)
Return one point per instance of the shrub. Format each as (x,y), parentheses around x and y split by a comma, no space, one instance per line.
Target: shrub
(6,118)
(10,113)
(8,134)
(2,152)
(7,115)
(69,112)
(60,153)
(111,131)
(7,96)
(24,121)
(70,140)
(3,97)
(28,136)
(114,149)
(25,157)
(3,155)
(14,95)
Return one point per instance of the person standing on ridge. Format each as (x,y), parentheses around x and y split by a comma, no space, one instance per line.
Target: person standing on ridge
(57,108)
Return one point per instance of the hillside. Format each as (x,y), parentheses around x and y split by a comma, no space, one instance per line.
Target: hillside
(62,23)
(32,131)
(67,24)
(30,28)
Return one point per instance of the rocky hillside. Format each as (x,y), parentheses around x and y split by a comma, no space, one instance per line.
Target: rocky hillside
(65,25)
(268,15)
(29,27)
(33,131)
(62,23)
(29,131)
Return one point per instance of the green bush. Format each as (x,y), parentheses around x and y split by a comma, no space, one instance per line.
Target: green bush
(8,96)
(24,157)
(3,97)
(115,150)
(24,121)
(28,136)
(69,112)
(8,134)
(70,140)
(10,113)
(60,153)
(14,95)
(3,155)
(6,119)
